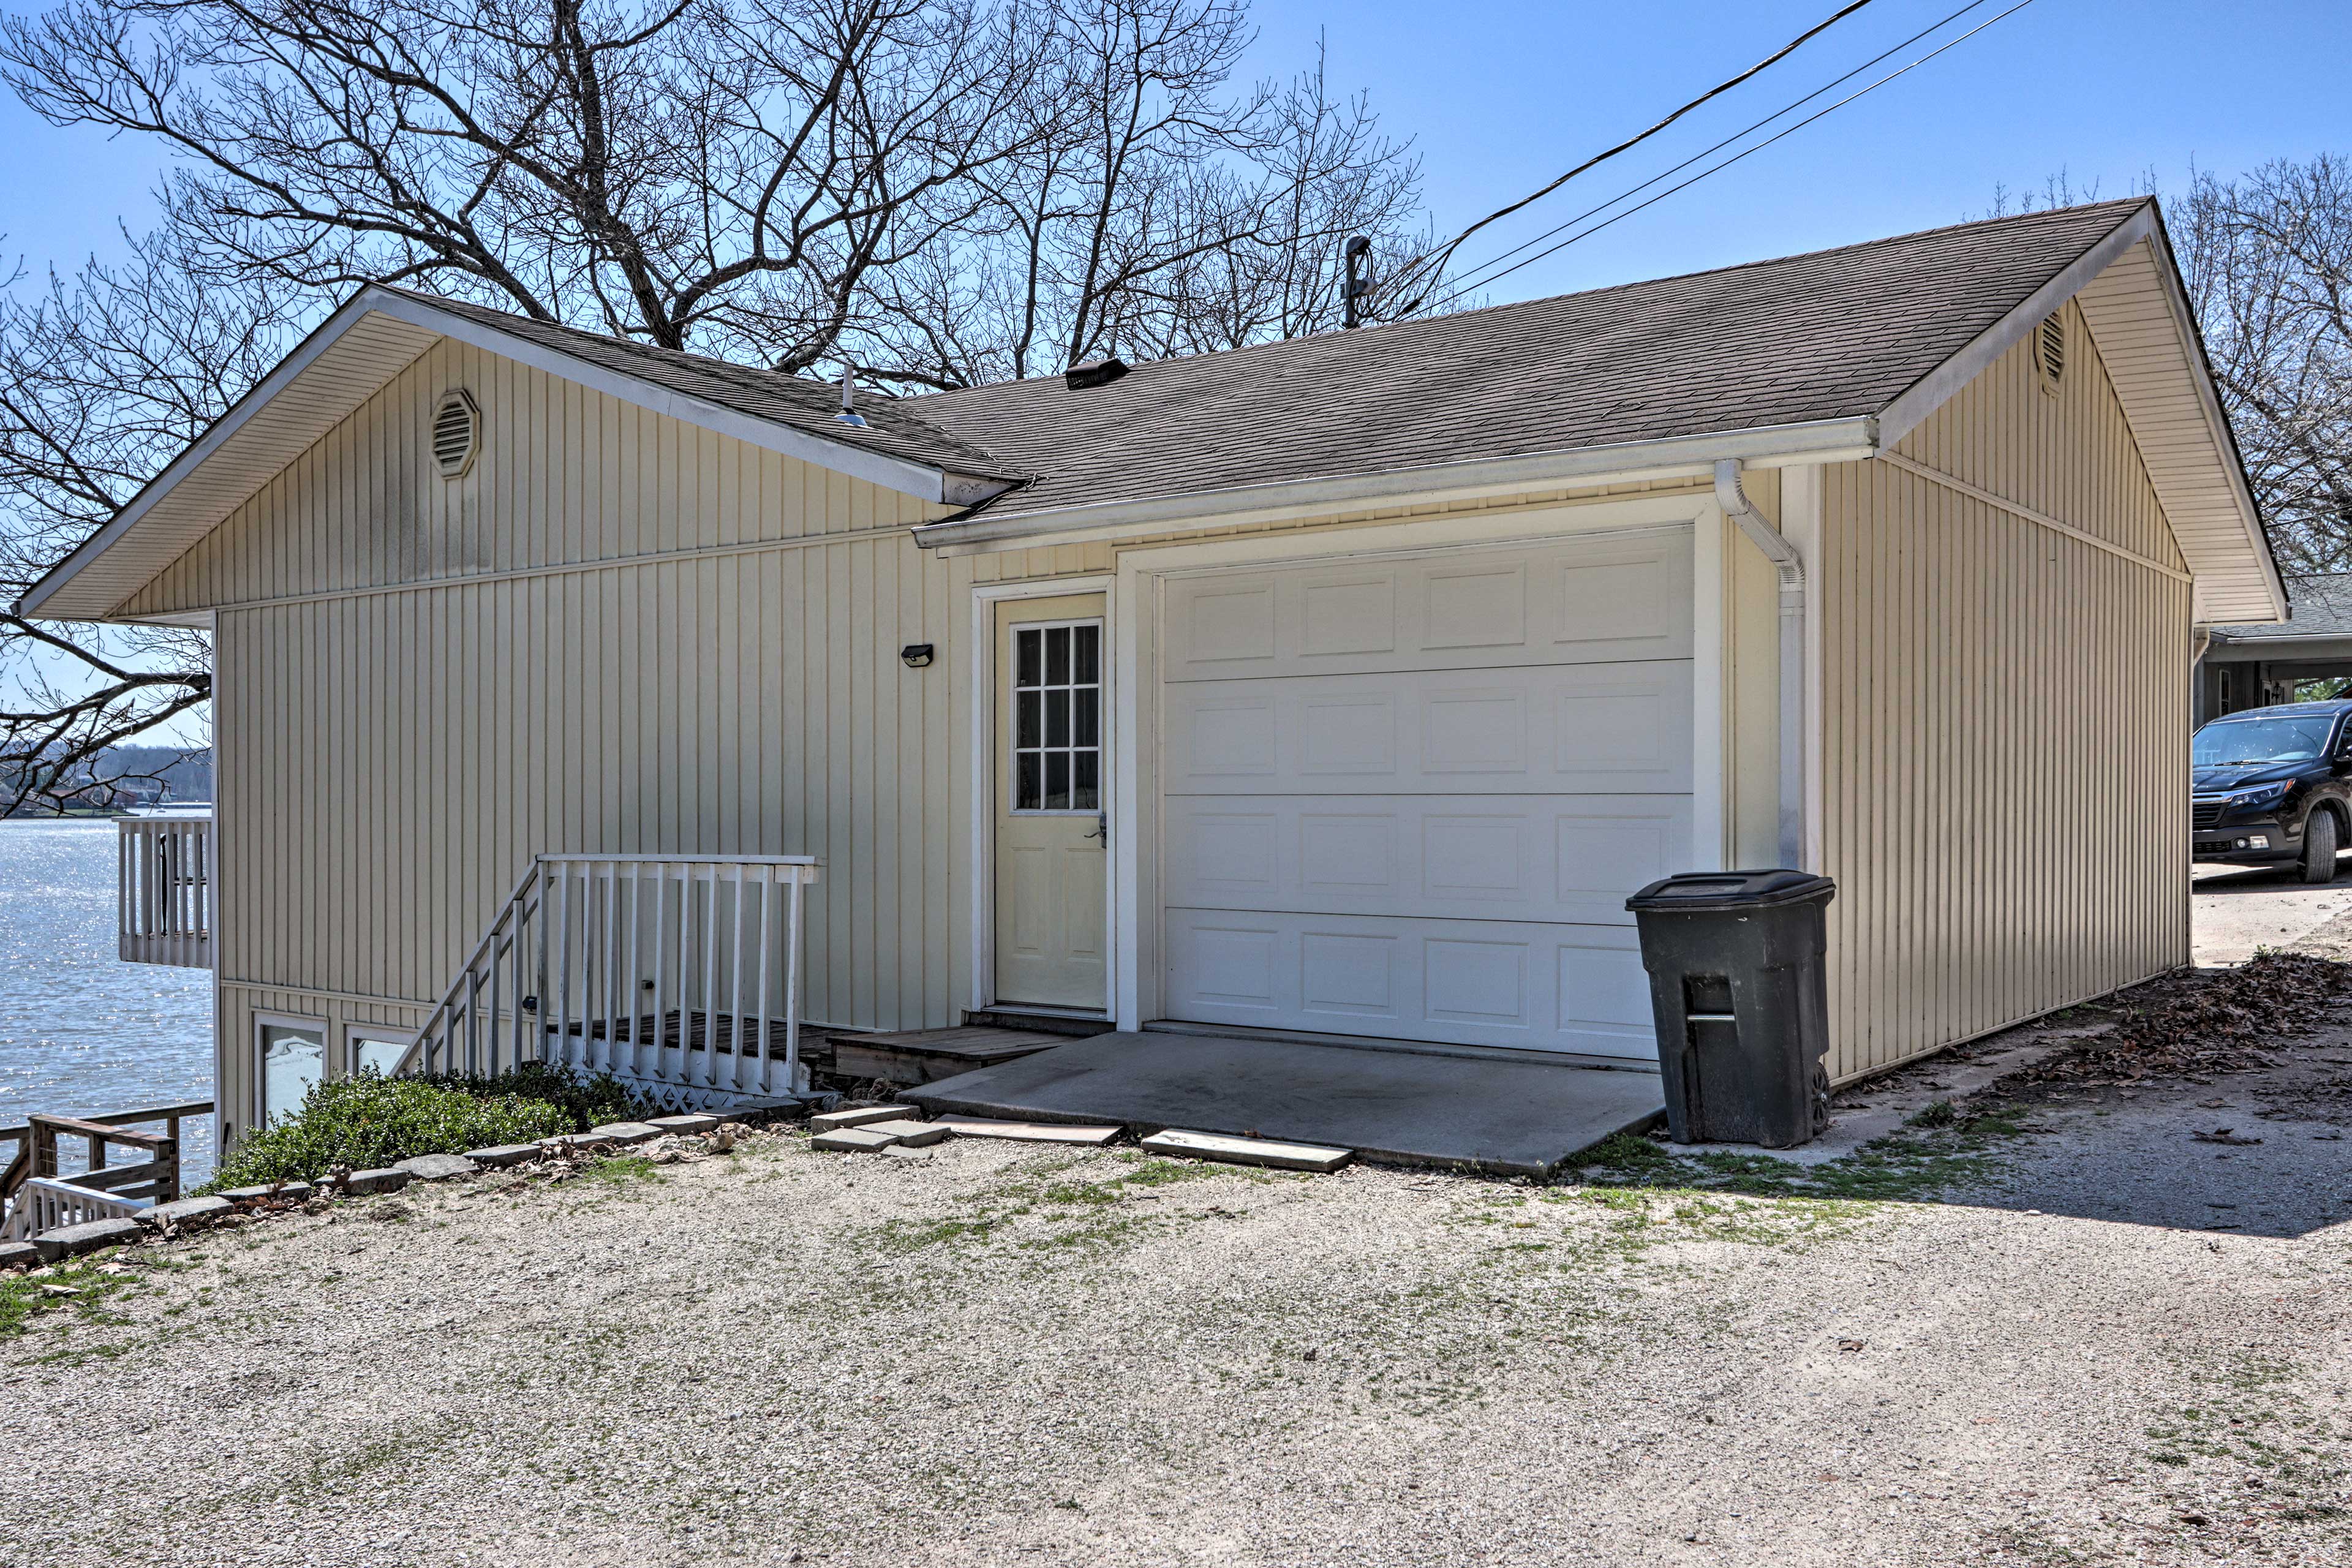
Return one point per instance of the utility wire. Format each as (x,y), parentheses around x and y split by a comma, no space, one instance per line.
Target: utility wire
(1444,253)
(1735,158)
(1473,281)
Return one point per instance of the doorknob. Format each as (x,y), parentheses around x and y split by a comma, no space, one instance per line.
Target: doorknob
(1102,829)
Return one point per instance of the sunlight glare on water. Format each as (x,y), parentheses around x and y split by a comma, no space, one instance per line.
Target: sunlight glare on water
(80,1030)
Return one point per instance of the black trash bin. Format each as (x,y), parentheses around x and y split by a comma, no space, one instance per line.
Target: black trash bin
(1741,1001)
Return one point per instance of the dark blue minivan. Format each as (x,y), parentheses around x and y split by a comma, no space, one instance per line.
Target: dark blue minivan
(2273,784)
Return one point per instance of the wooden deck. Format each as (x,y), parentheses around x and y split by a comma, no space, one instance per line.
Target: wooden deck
(922,1056)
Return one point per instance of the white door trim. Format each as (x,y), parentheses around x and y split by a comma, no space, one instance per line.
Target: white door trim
(1134,736)
(980,674)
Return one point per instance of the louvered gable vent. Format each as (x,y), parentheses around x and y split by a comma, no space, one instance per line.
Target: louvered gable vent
(456,433)
(2050,351)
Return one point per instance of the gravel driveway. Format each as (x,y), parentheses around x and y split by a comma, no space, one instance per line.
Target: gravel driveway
(1004,1355)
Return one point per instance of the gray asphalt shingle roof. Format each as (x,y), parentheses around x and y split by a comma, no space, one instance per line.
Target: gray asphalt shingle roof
(2322,606)
(810,406)
(1829,334)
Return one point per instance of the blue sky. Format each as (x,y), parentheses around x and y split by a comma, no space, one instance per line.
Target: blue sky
(1500,97)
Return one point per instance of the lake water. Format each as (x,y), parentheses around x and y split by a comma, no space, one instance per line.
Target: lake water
(80,1030)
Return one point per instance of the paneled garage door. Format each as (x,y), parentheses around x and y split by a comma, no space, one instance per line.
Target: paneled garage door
(1407,797)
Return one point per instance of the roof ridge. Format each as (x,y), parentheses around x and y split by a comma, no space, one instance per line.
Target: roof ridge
(1386,328)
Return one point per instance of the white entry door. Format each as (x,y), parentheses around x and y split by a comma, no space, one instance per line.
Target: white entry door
(1051,804)
(1407,797)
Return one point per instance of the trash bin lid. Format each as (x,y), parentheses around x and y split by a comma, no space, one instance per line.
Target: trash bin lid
(1691,891)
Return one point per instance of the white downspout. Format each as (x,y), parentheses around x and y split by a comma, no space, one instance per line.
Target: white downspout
(1785,561)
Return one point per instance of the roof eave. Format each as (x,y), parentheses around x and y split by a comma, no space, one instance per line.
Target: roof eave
(1681,457)
(934,485)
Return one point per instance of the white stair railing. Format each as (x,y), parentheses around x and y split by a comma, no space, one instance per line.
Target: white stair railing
(47,1203)
(678,974)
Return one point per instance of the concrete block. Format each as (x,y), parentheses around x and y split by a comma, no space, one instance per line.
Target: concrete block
(1026,1131)
(18,1255)
(186,1212)
(437,1167)
(291,1191)
(914,1134)
(391,1179)
(832,1121)
(901,1151)
(500,1155)
(852,1140)
(96,1236)
(1247,1151)
(623,1132)
(682,1124)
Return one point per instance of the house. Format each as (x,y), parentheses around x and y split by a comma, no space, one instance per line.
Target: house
(2257,665)
(1340,687)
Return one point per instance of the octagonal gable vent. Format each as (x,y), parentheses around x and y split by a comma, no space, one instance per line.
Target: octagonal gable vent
(456,433)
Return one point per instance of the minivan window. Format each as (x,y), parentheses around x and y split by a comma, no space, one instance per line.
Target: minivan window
(2275,739)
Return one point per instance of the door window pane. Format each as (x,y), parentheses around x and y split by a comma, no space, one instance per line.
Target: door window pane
(293,1058)
(1056,762)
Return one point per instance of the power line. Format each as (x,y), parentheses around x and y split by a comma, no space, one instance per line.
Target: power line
(1735,158)
(1474,282)
(1445,252)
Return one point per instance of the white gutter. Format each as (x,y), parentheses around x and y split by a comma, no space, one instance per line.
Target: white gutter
(1785,560)
(1682,457)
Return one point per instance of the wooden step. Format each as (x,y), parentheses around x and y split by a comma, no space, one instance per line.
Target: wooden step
(924,1056)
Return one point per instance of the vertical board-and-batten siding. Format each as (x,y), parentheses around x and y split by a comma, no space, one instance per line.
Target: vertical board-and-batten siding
(613,635)
(2005,719)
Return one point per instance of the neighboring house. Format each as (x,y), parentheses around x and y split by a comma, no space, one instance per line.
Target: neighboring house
(2257,665)
(1341,687)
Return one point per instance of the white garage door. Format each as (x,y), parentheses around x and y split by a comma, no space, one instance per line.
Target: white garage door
(1407,797)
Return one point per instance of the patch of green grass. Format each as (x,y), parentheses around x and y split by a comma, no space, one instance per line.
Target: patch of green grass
(86,1287)
(1899,1168)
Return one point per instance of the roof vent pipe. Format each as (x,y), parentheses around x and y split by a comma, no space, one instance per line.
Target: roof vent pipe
(1783,557)
(849,415)
(1359,286)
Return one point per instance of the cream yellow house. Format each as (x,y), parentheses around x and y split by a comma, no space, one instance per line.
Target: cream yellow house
(1340,687)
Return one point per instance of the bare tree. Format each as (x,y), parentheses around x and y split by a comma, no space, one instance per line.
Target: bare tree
(939,190)
(104,377)
(2268,261)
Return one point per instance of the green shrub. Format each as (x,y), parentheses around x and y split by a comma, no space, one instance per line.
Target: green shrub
(585,1101)
(367,1121)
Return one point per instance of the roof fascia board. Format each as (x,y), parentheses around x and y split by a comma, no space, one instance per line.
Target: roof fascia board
(305,355)
(1940,386)
(907,478)
(2225,440)
(1683,457)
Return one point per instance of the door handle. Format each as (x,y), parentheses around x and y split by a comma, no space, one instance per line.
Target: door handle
(1102,829)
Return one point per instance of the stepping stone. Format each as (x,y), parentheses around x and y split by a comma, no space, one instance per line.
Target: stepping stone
(623,1132)
(684,1124)
(18,1255)
(92,1236)
(901,1151)
(1026,1131)
(390,1179)
(852,1140)
(500,1155)
(437,1167)
(290,1191)
(914,1134)
(1247,1151)
(185,1212)
(833,1120)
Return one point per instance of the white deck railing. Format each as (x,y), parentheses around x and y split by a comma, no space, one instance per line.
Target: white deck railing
(165,895)
(679,975)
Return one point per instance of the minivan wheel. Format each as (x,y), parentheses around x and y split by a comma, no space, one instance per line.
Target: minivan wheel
(2319,838)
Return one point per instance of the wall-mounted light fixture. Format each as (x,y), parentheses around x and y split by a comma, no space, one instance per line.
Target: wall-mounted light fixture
(918,655)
